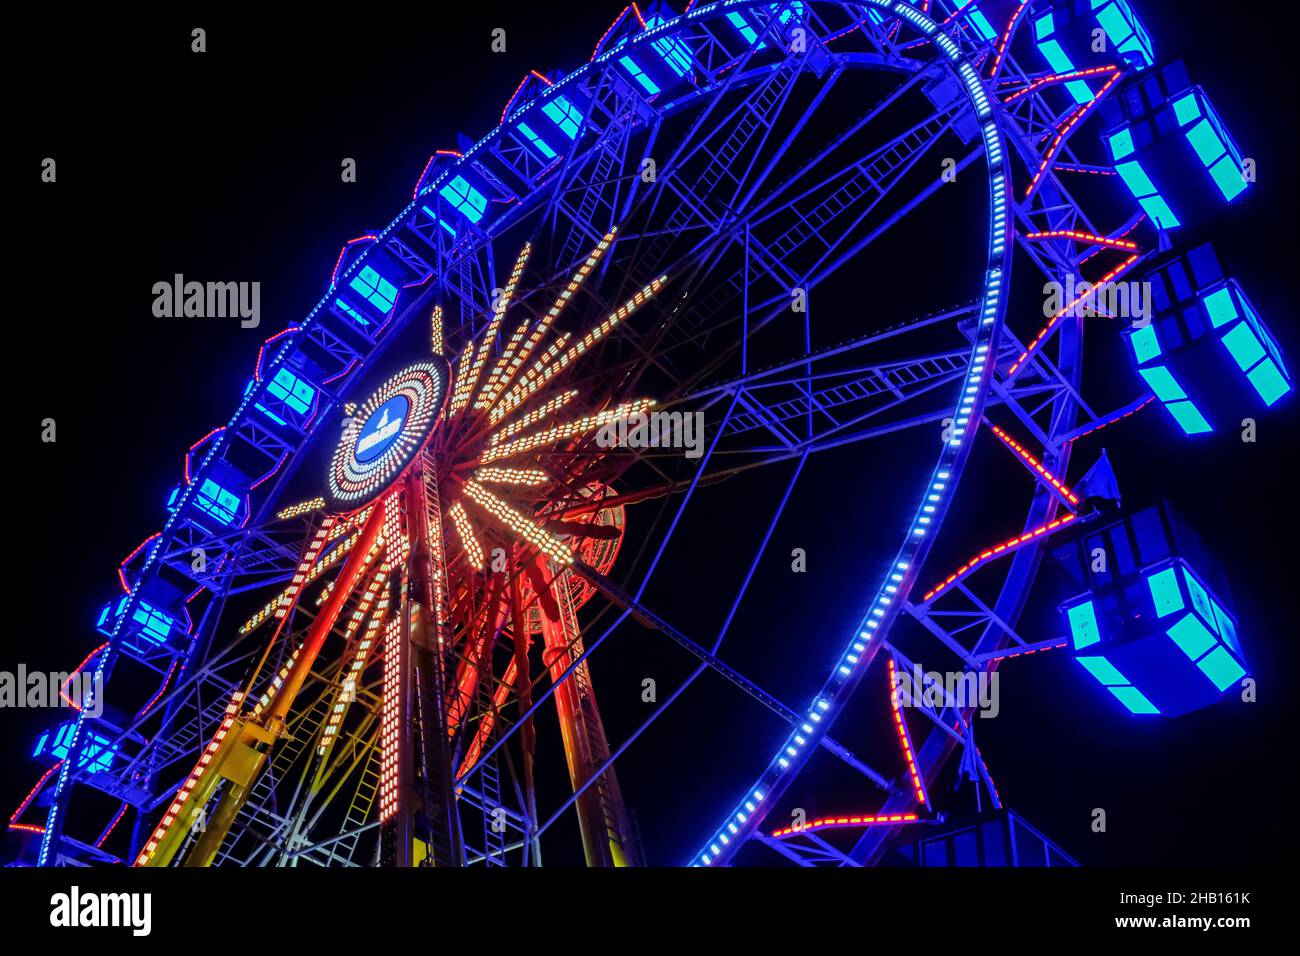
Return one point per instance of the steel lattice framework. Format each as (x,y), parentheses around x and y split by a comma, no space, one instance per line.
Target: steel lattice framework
(368,660)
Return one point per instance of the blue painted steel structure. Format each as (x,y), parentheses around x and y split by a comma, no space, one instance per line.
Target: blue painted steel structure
(710,93)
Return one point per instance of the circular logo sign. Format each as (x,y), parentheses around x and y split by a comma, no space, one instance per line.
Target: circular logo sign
(382,429)
(387,432)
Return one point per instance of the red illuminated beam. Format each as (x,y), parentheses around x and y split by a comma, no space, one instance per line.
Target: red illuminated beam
(841,823)
(1067,127)
(1058,78)
(1023,650)
(1006,547)
(1132,408)
(1036,466)
(905,739)
(1125,244)
(1041,337)
(1005,39)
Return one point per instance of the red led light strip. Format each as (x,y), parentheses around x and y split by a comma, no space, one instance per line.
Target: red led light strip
(1116,418)
(604,36)
(173,812)
(1057,78)
(121,568)
(1026,651)
(1075,118)
(515,95)
(63,690)
(31,795)
(1052,323)
(832,823)
(108,831)
(1076,168)
(1124,244)
(1033,463)
(1005,547)
(1100,249)
(904,738)
(1006,37)
(389,722)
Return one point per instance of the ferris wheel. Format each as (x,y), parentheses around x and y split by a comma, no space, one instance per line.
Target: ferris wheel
(372,628)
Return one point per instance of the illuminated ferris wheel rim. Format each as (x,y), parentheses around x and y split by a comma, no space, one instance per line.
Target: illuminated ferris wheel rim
(978,370)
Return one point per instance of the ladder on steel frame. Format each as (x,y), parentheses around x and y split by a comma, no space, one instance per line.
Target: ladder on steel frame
(757,117)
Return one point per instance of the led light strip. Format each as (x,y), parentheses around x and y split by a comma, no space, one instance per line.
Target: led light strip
(520,524)
(378,590)
(277,682)
(528,477)
(281,602)
(31,795)
(1058,78)
(389,725)
(1011,544)
(436,343)
(460,394)
(554,351)
(1058,141)
(560,432)
(465,531)
(1037,343)
(541,373)
(510,361)
(833,823)
(1033,463)
(905,739)
(1025,651)
(499,314)
(1119,416)
(397,543)
(1005,39)
(536,415)
(302,508)
(182,795)
(1125,244)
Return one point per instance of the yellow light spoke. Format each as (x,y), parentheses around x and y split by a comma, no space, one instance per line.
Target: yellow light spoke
(435,331)
(277,682)
(546,368)
(460,394)
(498,314)
(510,361)
(497,379)
(465,531)
(376,594)
(560,432)
(533,417)
(308,570)
(526,387)
(302,508)
(528,477)
(519,523)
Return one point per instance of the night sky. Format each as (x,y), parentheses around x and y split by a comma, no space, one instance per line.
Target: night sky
(226,166)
